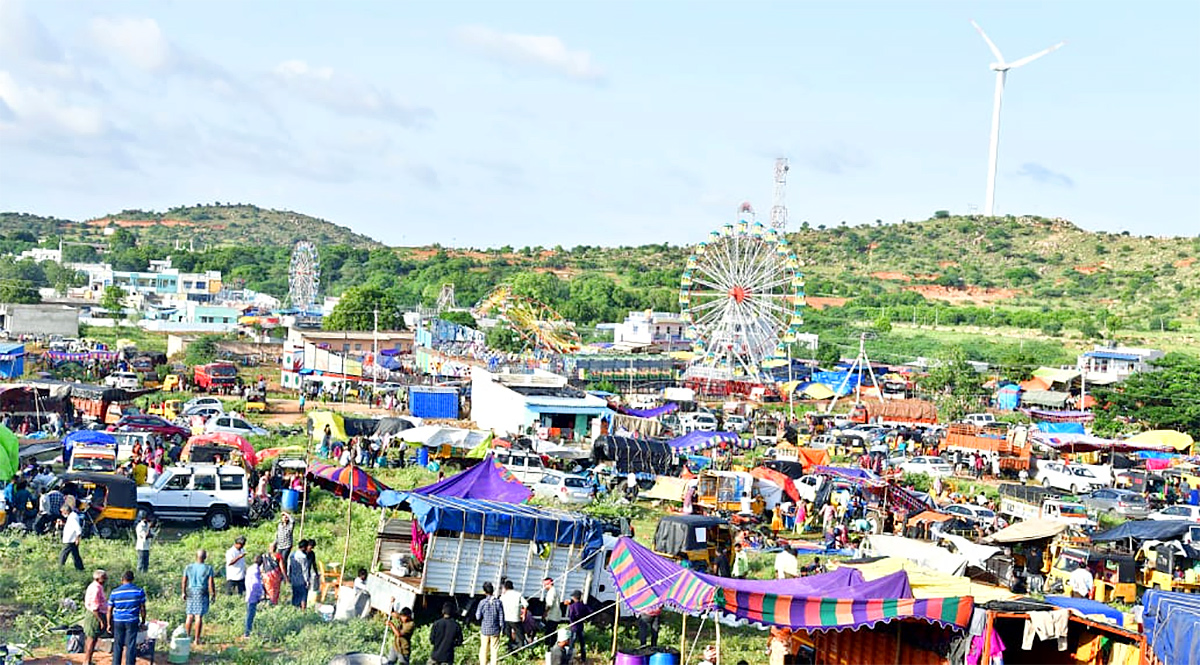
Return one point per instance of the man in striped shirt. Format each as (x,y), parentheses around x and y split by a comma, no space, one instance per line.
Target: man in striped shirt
(126,613)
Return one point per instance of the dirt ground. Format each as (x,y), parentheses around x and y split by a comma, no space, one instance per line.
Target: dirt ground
(287,411)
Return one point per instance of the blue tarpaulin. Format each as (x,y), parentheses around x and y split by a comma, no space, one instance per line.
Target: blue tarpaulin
(1140,530)
(841,383)
(86,437)
(1170,619)
(1086,606)
(1061,428)
(1008,398)
(504,520)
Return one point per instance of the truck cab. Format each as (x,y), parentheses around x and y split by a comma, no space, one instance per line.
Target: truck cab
(728,491)
(697,536)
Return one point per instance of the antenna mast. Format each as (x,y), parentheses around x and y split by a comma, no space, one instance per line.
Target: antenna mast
(779,208)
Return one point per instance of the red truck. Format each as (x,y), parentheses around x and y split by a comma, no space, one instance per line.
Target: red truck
(216,377)
(895,411)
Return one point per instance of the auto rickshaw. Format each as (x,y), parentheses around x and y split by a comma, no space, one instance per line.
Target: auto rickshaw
(1115,575)
(697,536)
(728,491)
(171,383)
(169,409)
(113,499)
(1170,566)
(256,402)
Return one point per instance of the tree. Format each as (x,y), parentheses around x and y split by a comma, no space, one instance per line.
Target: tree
(356,310)
(202,351)
(461,318)
(1161,399)
(503,338)
(111,301)
(19,292)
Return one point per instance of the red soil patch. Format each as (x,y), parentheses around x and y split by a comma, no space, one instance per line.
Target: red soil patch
(1091,270)
(892,276)
(927,276)
(1183,263)
(947,264)
(818,302)
(971,294)
(140,223)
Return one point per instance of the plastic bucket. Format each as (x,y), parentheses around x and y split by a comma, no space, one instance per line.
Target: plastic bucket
(630,659)
(181,649)
(291,500)
(664,658)
(422,456)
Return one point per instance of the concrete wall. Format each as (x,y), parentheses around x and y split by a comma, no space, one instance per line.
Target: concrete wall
(40,320)
(494,407)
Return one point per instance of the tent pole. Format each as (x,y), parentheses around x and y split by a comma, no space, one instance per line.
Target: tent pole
(349,508)
(717,623)
(683,636)
(899,627)
(616,624)
(304,486)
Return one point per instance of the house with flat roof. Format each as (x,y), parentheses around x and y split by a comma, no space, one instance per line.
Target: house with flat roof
(1106,364)
(535,401)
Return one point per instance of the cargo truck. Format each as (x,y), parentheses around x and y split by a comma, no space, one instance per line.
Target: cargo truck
(895,412)
(462,543)
(216,377)
(1011,444)
(1024,502)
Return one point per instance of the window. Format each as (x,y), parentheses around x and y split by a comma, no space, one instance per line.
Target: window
(502,458)
(178,482)
(240,424)
(230,482)
(205,483)
(358,346)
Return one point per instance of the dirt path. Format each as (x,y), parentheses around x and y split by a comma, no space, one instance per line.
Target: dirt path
(287,411)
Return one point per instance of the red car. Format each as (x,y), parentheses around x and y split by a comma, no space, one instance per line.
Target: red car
(156,424)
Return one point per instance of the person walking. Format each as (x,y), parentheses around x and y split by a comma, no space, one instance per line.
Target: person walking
(126,614)
(72,533)
(144,534)
(648,625)
(514,610)
(235,567)
(552,613)
(445,636)
(299,573)
(283,538)
(490,614)
(254,593)
(271,571)
(95,621)
(577,611)
(402,626)
(197,588)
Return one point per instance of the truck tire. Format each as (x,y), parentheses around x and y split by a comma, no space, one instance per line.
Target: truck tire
(217,519)
(145,509)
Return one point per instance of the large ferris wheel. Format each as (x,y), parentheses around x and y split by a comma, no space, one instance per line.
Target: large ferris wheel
(742,295)
(304,277)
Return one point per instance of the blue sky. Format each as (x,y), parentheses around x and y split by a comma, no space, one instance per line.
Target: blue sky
(491,123)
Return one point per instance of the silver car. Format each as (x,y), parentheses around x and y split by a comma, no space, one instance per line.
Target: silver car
(1124,503)
(563,487)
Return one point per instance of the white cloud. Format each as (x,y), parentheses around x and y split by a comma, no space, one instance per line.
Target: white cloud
(344,94)
(138,41)
(23,36)
(544,52)
(46,109)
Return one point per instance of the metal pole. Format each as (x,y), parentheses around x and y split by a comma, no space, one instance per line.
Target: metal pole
(375,351)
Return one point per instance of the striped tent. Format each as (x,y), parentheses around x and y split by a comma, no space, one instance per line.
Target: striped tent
(835,600)
(697,440)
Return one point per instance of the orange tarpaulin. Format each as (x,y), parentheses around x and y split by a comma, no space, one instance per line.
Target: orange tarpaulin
(813,457)
(1036,383)
(928,516)
(774,476)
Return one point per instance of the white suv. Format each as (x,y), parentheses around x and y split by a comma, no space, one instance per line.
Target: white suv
(526,466)
(205,492)
(1067,477)
(123,380)
(223,422)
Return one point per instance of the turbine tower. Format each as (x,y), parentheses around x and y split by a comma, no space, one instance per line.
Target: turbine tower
(1001,68)
(779,208)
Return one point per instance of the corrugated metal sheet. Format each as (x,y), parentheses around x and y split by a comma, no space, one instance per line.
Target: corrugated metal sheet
(461,565)
(429,402)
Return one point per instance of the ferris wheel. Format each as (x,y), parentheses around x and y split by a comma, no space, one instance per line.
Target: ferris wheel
(304,277)
(741,295)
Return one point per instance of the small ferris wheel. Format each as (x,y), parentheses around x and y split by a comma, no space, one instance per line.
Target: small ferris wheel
(742,296)
(304,277)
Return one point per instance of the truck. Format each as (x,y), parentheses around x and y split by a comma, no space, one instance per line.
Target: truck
(216,377)
(1027,502)
(895,412)
(462,543)
(1011,444)
(638,456)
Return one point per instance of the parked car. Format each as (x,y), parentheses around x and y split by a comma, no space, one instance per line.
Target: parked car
(736,423)
(930,466)
(566,488)
(1125,503)
(1178,511)
(977,515)
(204,412)
(216,495)
(226,423)
(155,424)
(526,466)
(209,402)
(1066,477)
(123,380)
(979,419)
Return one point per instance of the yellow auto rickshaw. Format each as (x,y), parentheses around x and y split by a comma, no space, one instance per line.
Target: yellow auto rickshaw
(697,536)
(111,499)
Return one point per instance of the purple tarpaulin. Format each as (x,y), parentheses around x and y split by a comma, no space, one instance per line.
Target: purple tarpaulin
(649,413)
(850,473)
(486,480)
(697,440)
(1086,443)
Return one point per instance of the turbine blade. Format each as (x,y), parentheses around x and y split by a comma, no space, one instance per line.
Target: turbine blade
(995,51)
(1030,58)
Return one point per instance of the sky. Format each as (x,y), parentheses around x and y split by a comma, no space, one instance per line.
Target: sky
(481,124)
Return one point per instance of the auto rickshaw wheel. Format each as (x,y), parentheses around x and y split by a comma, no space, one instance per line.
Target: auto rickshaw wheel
(107,530)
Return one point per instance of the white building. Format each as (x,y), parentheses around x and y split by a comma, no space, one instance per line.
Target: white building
(662,329)
(510,403)
(39,254)
(1111,364)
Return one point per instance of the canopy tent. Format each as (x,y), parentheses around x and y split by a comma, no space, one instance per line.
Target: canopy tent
(1051,398)
(84,437)
(926,554)
(486,480)
(1008,397)
(504,520)
(698,440)
(1035,529)
(1035,383)
(1086,606)
(835,600)
(851,473)
(342,479)
(1060,428)
(929,583)
(1086,443)
(813,390)
(1170,619)
(334,421)
(785,483)
(393,426)
(227,439)
(1163,438)
(667,488)
(648,413)
(1054,376)
(811,457)
(9,455)
(1061,416)
(1144,530)
(434,436)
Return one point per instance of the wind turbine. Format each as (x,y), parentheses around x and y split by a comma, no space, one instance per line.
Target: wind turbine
(1001,68)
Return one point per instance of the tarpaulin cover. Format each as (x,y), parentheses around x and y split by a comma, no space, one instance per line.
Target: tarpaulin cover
(840,599)
(1008,397)
(1086,443)
(505,520)
(227,439)
(1061,416)
(929,583)
(849,473)
(841,383)
(1144,530)
(1050,398)
(486,480)
(789,487)
(912,410)
(1170,619)
(811,457)
(9,455)
(391,426)
(85,437)
(678,533)
(926,554)
(362,486)
(1087,606)
(697,440)
(1162,438)
(1060,428)
(634,455)
(649,413)
(1034,529)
